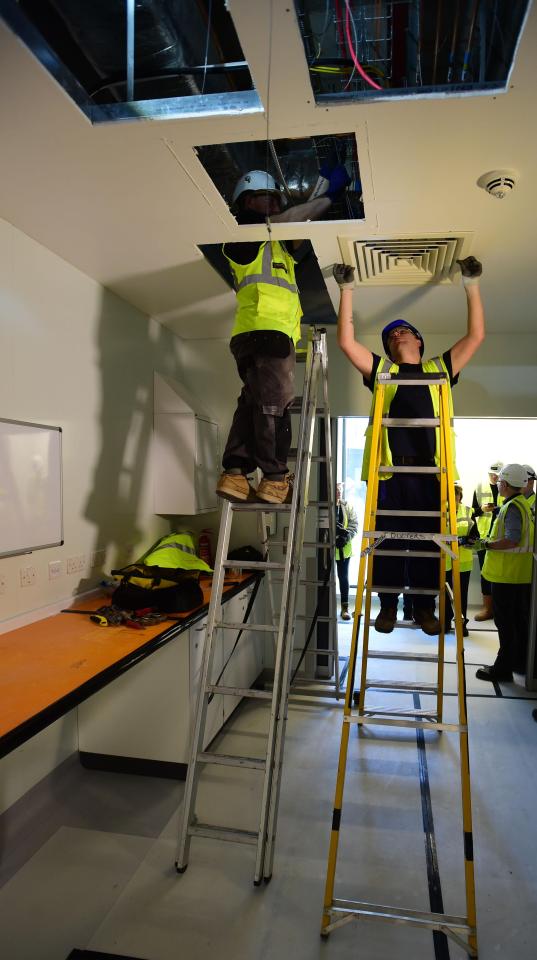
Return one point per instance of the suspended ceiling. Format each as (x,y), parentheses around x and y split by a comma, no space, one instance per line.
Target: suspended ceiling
(129,203)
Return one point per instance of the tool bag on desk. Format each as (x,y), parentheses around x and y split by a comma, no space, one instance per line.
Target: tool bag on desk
(165,578)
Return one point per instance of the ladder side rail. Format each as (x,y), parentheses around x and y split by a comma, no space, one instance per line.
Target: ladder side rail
(331,512)
(466,796)
(347,710)
(305,444)
(264,537)
(282,643)
(202,697)
(445,518)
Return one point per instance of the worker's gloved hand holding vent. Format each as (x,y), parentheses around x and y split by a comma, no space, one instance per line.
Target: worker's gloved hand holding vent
(343,275)
(471,270)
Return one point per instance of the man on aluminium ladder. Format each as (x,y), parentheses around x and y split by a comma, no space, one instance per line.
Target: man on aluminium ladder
(404,347)
(264,336)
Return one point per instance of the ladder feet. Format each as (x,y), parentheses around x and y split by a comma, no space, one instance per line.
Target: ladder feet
(180,869)
(267,879)
(257,883)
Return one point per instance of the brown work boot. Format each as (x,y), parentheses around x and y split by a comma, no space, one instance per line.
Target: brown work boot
(428,622)
(345,615)
(386,619)
(276,491)
(235,487)
(486,611)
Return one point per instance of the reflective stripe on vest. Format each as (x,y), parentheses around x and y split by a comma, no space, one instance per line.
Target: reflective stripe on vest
(267,294)
(513,565)
(175,551)
(436,365)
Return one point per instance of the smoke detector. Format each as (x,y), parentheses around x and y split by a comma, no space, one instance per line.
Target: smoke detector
(499,183)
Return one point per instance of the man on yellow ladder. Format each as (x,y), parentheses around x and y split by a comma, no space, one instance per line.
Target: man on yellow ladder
(404,348)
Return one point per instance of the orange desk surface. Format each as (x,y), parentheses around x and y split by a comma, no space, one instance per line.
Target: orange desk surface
(49,666)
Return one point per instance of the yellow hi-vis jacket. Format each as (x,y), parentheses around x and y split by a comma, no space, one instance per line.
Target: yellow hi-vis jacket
(514,565)
(483,494)
(267,294)
(349,520)
(464,525)
(436,365)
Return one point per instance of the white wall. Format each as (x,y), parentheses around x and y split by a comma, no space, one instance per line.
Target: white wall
(76,356)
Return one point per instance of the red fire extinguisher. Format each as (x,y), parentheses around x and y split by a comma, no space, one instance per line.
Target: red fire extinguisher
(204,547)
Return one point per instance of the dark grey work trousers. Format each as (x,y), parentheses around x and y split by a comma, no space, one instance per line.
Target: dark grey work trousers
(511,610)
(260,434)
(407,491)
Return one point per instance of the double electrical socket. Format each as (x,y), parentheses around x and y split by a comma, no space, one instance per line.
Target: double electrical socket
(28,576)
(55,569)
(76,564)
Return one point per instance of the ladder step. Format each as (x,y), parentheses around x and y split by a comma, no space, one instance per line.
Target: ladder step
(399,655)
(402,685)
(222,833)
(252,565)
(250,692)
(292,455)
(322,653)
(305,617)
(412,513)
(400,469)
(411,422)
(405,624)
(262,627)
(399,712)
(425,591)
(378,551)
(228,760)
(260,506)
(305,543)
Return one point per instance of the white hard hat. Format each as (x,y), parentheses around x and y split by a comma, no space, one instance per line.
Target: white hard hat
(530,471)
(254,181)
(514,474)
(495,466)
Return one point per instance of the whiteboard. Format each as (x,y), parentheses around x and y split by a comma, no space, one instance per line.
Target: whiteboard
(30,487)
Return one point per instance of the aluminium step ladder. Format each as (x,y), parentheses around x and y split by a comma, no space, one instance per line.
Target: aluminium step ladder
(337,911)
(280,627)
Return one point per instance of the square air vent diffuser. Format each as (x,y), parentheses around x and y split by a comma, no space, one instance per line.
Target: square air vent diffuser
(406,261)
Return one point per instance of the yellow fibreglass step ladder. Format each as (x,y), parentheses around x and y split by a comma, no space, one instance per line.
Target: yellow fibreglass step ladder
(338,912)
(281,627)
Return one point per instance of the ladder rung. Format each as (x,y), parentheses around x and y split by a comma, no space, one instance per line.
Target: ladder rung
(222,833)
(292,455)
(399,914)
(411,422)
(304,616)
(425,591)
(412,513)
(258,506)
(239,692)
(262,627)
(322,653)
(252,565)
(399,712)
(228,760)
(402,685)
(400,469)
(405,624)
(402,722)
(399,655)
(408,535)
(379,552)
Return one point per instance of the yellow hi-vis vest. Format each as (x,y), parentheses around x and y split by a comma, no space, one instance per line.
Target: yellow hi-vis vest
(483,494)
(464,525)
(514,565)
(436,365)
(342,554)
(267,294)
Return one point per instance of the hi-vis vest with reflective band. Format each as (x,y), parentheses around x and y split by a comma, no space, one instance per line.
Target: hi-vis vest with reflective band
(177,551)
(342,554)
(436,365)
(464,525)
(267,294)
(511,566)
(483,494)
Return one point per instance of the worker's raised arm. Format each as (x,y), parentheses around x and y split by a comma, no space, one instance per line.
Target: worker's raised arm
(464,349)
(360,356)
(311,210)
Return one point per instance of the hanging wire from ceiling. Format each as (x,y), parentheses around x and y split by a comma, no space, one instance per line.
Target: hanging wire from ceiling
(269,70)
(209,24)
(352,52)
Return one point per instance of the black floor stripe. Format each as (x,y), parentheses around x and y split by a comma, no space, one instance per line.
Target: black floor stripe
(440,941)
(97,955)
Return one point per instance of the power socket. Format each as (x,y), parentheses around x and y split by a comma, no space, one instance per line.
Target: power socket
(76,564)
(3,583)
(28,576)
(55,569)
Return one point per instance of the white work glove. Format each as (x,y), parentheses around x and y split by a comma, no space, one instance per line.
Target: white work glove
(471,270)
(343,275)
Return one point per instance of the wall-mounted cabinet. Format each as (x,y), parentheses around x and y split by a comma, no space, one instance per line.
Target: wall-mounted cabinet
(185,454)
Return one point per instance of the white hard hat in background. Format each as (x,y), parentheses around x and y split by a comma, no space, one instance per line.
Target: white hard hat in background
(530,471)
(495,466)
(514,474)
(256,180)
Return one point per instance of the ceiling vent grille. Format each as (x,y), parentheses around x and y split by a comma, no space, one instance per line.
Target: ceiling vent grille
(406,261)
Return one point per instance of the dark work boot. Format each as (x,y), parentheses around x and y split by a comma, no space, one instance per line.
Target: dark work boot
(427,621)
(386,619)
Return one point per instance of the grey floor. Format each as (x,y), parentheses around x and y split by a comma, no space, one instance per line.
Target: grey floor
(88,857)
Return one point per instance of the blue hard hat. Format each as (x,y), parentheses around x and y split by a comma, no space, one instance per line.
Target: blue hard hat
(399,323)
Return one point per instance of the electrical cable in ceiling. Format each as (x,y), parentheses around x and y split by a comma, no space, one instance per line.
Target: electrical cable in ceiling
(269,69)
(350,46)
(451,62)
(467,52)
(206,59)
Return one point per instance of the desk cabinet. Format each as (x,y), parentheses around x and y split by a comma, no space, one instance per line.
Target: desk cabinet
(147,714)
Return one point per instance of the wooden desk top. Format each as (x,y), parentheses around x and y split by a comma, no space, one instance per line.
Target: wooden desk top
(48,667)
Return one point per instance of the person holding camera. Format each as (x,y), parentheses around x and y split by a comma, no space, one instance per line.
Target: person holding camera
(346,530)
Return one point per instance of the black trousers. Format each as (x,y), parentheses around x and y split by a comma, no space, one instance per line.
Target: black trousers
(260,434)
(342,567)
(511,610)
(407,491)
(465,581)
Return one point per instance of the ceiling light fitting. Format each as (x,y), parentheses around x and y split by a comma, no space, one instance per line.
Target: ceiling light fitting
(499,183)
